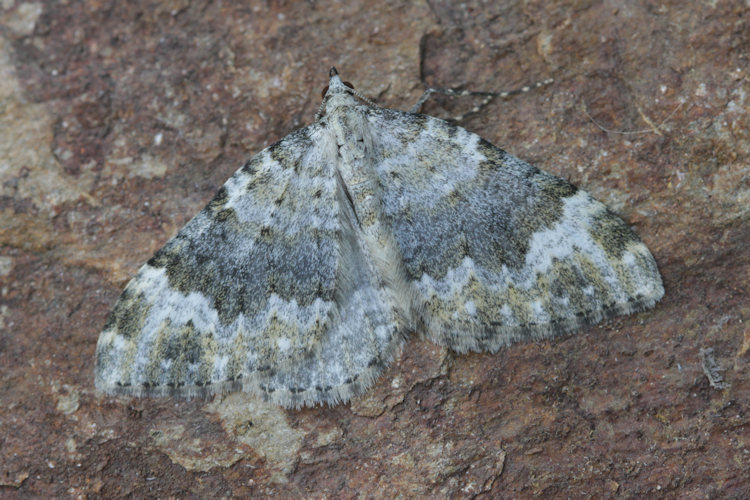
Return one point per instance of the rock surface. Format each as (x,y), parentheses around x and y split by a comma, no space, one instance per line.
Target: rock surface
(118,121)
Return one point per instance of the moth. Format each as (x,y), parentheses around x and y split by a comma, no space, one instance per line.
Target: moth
(304,275)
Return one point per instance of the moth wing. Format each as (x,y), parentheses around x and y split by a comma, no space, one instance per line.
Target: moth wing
(497,250)
(267,289)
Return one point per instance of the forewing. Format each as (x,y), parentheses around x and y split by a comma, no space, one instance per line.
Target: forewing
(267,289)
(498,250)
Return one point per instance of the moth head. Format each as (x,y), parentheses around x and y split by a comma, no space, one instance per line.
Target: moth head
(336,94)
(335,84)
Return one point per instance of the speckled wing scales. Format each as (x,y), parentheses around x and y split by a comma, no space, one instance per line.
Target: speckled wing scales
(253,295)
(300,278)
(498,250)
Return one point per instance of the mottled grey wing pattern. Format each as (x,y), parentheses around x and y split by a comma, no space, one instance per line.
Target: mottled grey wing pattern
(250,295)
(300,278)
(498,250)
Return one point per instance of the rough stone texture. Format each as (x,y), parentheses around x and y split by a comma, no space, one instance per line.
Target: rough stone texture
(118,121)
